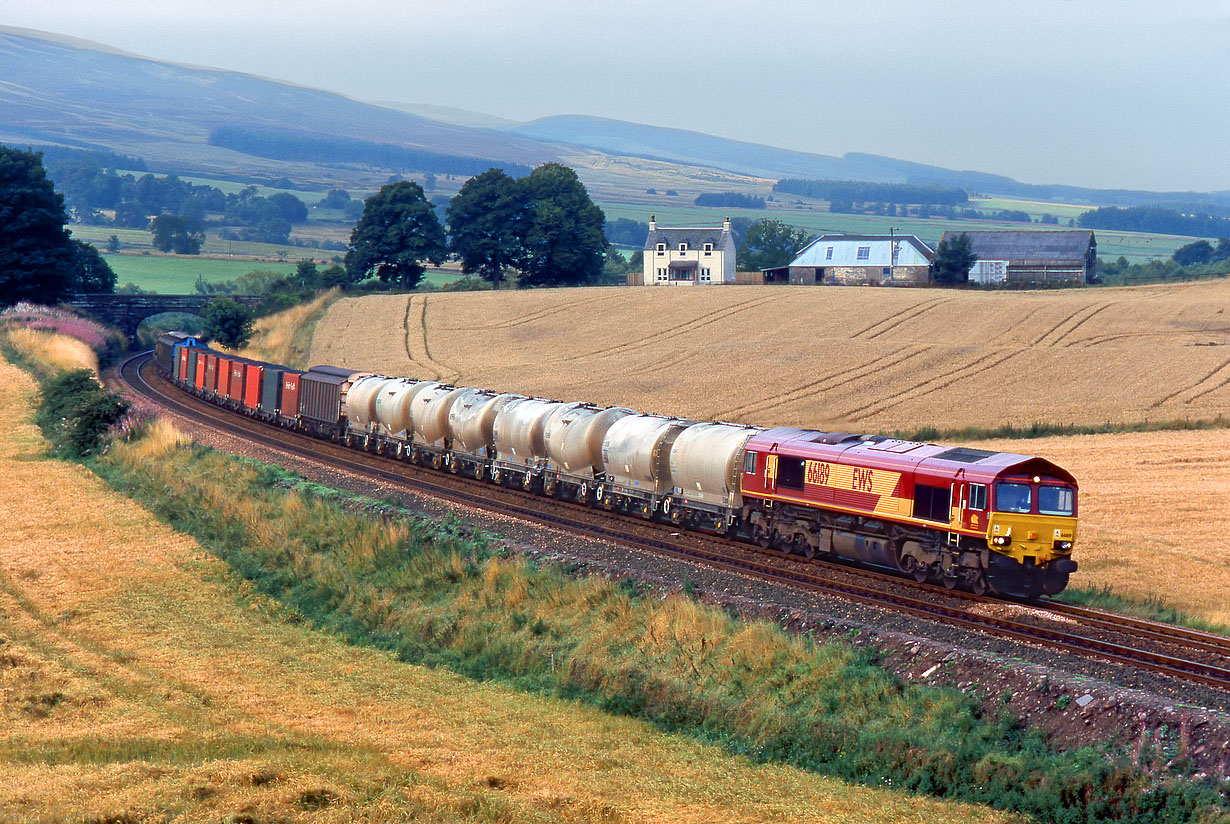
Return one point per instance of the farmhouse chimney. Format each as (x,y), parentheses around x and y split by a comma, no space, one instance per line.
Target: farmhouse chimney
(726,224)
(653,223)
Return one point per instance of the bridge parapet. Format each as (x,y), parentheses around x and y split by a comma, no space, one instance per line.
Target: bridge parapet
(127,311)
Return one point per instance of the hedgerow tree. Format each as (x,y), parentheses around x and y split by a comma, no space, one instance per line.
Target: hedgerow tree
(37,257)
(954,256)
(76,411)
(181,235)
(228,322)
(768,244)
(562,244)
(398,231)
(485,221)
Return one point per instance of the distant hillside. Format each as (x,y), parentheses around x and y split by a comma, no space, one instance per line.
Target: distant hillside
(695,148)
(62,91)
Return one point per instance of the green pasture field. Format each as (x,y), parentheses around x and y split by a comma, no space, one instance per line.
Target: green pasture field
(177,275)
(1135,246)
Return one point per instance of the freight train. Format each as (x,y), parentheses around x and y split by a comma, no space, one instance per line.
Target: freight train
(981,520)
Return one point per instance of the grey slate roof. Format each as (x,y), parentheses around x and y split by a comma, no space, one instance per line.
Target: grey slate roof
(695,238)
(1056,245)
(923,249)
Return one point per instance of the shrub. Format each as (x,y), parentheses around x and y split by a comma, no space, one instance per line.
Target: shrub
(76,412)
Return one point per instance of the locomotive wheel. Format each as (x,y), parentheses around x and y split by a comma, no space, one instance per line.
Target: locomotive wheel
(761,536)
(804,547)
(949,581)
(979,585)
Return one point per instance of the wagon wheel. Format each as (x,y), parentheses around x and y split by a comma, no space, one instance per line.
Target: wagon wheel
(583,493)
(949,581)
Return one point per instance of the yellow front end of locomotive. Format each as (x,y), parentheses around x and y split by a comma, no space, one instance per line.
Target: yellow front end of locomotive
(1043,538)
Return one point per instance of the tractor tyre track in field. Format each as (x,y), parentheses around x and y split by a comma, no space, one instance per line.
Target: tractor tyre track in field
(978,366)
(669,333)
(898,320)
(1196,385)
(895,320)
(417,348)
(828,381)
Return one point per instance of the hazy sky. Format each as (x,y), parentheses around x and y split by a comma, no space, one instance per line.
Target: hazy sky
(1107,93)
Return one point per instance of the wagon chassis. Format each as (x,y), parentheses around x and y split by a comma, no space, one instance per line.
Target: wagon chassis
(1184,654)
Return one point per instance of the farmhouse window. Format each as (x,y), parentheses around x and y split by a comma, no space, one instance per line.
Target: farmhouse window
(886,271)
(661,248)
(790,472)
(708,248)
(683,247)
(705,275)
(864,253)
(978,496)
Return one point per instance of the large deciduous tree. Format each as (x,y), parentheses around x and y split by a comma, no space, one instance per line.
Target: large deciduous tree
(954,257)
(485,223)
(181,235)
(37,258)
(398,231)
(228,322)
(94,274)
(562,243)
(769,244)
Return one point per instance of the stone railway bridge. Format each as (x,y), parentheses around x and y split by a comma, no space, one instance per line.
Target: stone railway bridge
(127,311)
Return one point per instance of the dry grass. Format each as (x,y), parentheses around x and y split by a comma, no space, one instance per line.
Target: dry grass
(1151,516)
(286,336)
(55,350)
(818,357)
(139,680)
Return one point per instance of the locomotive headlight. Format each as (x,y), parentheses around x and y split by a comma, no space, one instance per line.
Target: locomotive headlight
(1000,540)
(1063,546)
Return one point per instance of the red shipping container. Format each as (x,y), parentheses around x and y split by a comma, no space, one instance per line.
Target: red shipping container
(253,377)
(235,390)
(211,373)
(224,377)
(290,395)
(182,372)
(201,359)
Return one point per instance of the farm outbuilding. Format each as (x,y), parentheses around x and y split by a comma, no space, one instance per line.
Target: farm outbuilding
(683,256)
(1023,258)
(888,260)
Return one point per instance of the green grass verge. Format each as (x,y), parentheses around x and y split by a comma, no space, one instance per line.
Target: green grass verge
(444,595)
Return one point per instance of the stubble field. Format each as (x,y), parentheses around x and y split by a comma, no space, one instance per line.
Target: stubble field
(868,360)
(859,360)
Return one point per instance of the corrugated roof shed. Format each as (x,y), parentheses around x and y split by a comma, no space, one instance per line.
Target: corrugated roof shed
(1052,245)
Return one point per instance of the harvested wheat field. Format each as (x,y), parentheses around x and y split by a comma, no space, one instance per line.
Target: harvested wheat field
(817,357)
(1152,513)
(140,681)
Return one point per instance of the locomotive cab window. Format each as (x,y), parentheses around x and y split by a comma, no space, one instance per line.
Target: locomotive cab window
(1013,498)
(790,472)
(977,496)
(1056,500)
(749,463)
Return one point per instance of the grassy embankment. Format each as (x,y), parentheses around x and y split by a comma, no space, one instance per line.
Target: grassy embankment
(453,600)
(141,678)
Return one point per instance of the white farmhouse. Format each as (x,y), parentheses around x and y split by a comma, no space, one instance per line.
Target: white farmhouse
(682,256)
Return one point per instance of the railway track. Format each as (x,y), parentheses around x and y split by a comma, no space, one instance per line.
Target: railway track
(1188,655)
